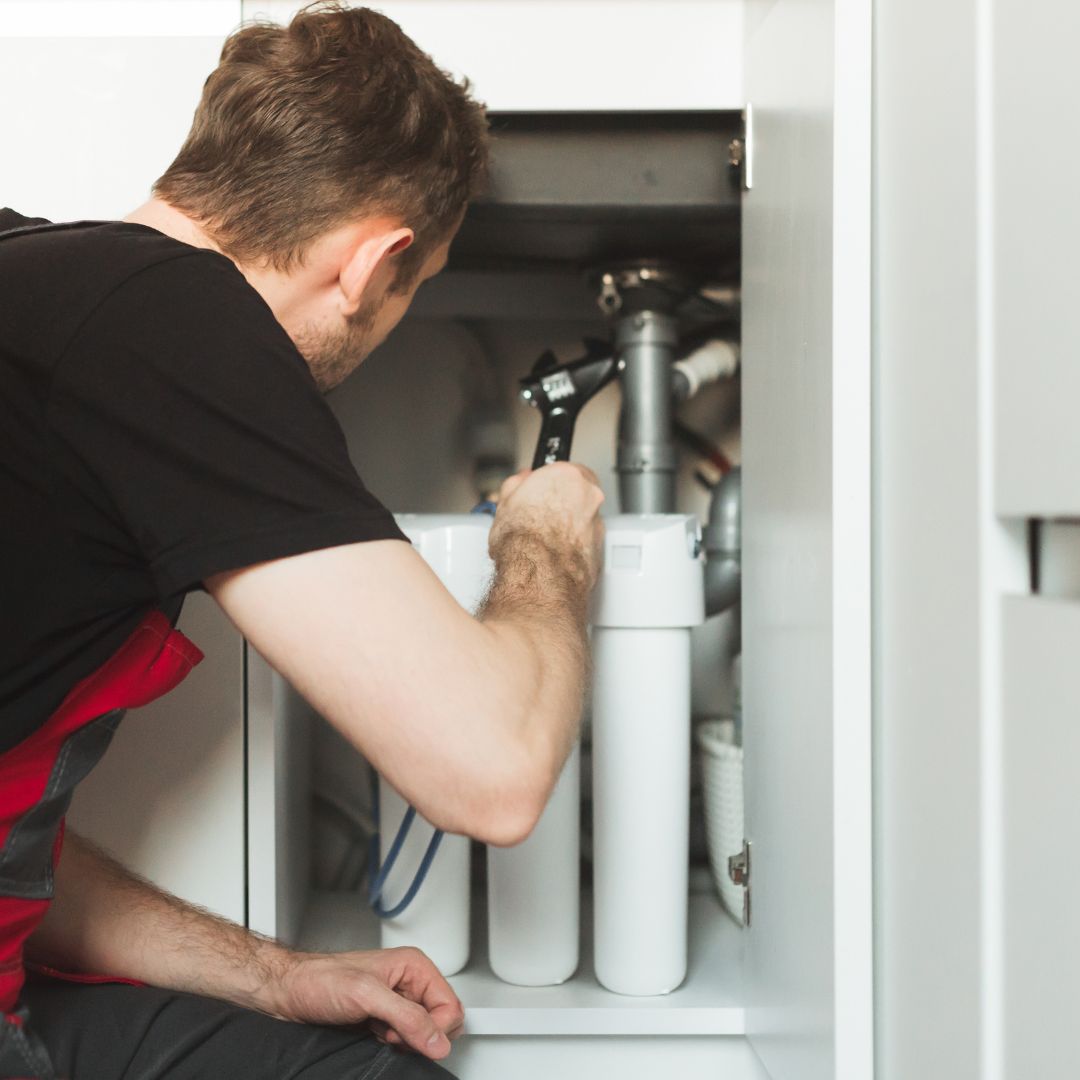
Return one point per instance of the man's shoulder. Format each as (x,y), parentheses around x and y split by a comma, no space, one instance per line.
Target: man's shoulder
(12,219)
(107,253)
(81,263)
(66,280)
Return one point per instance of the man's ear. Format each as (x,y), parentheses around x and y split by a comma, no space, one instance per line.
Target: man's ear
(371,253)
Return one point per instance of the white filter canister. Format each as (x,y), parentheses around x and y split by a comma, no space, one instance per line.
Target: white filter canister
(437,920)
(641,798)
(650,594)
(533,901)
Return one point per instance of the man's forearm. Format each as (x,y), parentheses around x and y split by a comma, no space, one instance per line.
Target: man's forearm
(105,920)
(538,605)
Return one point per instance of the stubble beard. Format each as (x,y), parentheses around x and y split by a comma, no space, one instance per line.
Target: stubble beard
(334,353)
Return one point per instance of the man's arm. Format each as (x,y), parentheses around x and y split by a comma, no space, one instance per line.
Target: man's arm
(104,920)
(469,719)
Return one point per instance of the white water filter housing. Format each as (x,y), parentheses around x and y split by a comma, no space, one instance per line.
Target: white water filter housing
(455,546)
(534,906)
(650,594)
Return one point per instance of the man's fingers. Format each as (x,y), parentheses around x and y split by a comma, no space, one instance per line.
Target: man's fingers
(421,981)
(587,473)
(379,1030)
(448,1017)
(512,483)
(409,1020)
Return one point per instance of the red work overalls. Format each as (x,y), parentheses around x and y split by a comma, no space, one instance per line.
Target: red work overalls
(37,778)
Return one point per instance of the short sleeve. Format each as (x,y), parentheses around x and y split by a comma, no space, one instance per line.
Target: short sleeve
(193,412)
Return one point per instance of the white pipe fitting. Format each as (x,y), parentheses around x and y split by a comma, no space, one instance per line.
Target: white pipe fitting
(709,363)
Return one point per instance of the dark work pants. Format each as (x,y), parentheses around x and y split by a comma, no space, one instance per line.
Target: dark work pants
(116,1032)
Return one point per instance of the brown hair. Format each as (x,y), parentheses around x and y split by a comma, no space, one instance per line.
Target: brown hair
(304,127)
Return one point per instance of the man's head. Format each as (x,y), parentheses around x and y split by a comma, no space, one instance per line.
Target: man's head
(333,138)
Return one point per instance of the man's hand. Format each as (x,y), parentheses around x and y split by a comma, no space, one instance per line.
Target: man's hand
(399,992)
(559,506)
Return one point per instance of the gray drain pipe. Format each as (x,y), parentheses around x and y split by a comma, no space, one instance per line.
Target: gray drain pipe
(646,460)
(723,545)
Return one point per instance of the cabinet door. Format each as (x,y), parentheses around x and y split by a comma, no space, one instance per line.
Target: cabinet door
(1040,772)
(806,545)
(1036,233)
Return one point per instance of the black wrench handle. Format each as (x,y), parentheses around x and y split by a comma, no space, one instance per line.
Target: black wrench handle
(556,434)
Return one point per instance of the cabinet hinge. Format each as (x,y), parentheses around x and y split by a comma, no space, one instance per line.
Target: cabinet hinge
(741,151)
(739,872)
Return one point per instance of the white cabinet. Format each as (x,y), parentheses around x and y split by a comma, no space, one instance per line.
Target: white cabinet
(806,541)
(168,798)
(579,55)
(789,999)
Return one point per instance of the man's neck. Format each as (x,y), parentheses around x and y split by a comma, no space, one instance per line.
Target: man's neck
(159,215)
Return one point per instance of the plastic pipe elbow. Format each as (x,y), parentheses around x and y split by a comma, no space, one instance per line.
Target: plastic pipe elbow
(723,545)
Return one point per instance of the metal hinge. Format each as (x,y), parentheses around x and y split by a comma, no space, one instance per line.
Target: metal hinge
(739,871)
(741,151)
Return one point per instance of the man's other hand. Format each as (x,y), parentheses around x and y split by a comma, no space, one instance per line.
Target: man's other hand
(398,992)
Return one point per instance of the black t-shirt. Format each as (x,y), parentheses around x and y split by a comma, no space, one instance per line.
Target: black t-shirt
(158,427)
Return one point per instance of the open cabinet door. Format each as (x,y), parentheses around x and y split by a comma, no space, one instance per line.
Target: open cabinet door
(806,598)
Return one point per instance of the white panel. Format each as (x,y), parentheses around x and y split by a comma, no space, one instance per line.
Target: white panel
(168,798)
(116,18)
(279,793)
(806,544)
(587,1059)
(94,153)
(1036,237)
(1041,763)
(576,54)
(943,557)
(929,623)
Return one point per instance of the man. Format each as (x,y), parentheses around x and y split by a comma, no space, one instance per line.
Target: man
(165,431)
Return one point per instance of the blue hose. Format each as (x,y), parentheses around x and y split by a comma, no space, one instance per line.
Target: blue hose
(378,874)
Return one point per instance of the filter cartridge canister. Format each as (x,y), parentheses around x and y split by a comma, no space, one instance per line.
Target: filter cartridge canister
(533,901)
(650,594)
(437,920)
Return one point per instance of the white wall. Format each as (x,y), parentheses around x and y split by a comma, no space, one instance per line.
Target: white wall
(98,97)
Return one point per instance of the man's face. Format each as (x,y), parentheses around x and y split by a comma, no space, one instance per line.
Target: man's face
(337,346)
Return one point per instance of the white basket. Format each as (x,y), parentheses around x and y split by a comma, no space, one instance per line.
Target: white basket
(722,771)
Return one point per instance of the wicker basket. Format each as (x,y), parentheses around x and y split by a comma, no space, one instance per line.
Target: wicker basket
(722,772)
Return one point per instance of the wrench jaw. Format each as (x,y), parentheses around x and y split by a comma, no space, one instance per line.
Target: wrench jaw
(560,392)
